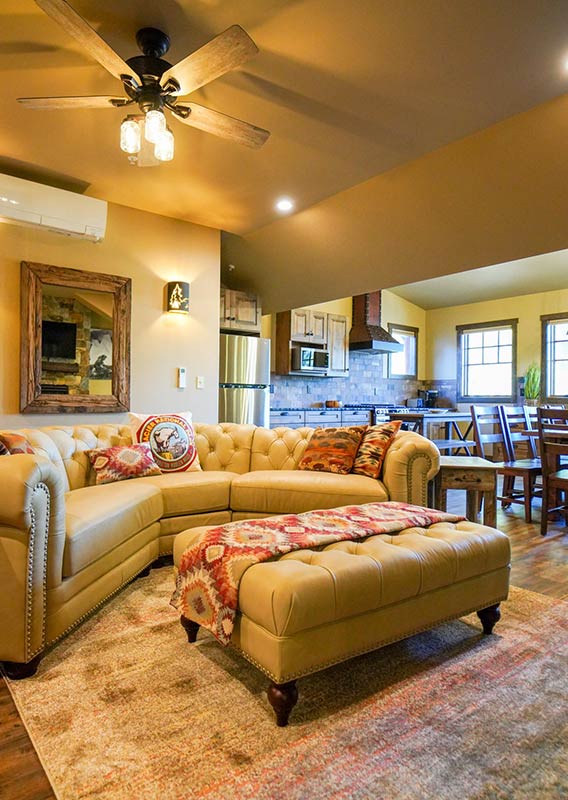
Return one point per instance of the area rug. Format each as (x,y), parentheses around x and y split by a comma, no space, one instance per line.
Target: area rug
(124,708)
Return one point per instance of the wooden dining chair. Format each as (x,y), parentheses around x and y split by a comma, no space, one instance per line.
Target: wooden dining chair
(516,420)
(489,428)
(553,437)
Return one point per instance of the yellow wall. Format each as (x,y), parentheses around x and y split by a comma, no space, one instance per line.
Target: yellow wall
(397,310)
(151,250)
(441,328)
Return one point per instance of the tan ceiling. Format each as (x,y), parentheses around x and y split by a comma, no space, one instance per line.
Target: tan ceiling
(349,90)
(543,273)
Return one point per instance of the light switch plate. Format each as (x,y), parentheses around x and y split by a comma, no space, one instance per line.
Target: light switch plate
(199,382)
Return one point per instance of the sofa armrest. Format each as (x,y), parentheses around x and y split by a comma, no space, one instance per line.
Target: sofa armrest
(32,538)
(411,461)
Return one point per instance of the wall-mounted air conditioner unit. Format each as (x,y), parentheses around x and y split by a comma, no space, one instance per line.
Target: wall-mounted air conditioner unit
(28,203)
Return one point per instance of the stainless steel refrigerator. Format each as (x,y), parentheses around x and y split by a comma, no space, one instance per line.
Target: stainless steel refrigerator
(244,379)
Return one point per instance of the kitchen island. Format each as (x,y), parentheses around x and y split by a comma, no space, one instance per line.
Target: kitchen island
(455,439)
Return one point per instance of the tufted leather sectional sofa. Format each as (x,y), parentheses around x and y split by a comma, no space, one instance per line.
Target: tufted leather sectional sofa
(67,545)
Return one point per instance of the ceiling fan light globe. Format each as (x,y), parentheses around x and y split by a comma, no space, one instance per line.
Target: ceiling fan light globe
(154,125)
(130,136)
(164,147)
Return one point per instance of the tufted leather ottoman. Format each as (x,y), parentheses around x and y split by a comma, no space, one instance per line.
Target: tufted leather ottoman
(310,609)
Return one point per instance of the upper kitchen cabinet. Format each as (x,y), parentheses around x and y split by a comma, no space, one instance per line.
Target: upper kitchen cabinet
(338,345)
(308,325)
(240,311)
(326,337)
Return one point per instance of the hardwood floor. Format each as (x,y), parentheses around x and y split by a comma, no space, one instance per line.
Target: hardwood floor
(539,564)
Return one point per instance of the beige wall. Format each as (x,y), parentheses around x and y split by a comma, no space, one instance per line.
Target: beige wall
(151,250)
(441,328)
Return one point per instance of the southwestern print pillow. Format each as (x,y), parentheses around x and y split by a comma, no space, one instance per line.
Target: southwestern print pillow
(171,437)
(15,443)
(332,449)
(3,449)
(376,442)
(122,462)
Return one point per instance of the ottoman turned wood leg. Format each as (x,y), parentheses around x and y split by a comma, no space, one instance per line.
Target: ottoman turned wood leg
(489,617)
(282,697)
(190,627)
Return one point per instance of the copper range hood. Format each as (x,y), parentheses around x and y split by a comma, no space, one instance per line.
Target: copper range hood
(367,335)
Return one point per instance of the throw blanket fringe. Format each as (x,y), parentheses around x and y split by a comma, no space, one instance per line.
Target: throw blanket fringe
(210,571)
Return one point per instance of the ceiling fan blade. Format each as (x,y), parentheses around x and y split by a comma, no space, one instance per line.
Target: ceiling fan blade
(224,126)
(79,29)
(225,52)
(50,103)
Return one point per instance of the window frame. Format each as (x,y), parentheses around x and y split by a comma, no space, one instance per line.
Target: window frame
(393,326)
(482,326)
(545,396)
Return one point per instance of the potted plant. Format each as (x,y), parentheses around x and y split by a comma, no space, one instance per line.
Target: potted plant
(532,384)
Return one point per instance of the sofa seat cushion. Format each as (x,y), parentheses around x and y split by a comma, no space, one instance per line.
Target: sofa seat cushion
(99,518)
(291,491)
(309,588)
(193,492)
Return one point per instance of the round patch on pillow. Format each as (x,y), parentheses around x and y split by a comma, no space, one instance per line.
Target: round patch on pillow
(172,440)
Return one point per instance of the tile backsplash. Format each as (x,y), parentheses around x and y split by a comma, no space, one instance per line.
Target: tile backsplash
(367,383)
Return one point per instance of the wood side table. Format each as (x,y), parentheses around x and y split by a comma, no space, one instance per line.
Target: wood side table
(473,475)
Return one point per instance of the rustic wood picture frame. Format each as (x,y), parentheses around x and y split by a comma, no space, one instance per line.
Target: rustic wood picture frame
(32,400)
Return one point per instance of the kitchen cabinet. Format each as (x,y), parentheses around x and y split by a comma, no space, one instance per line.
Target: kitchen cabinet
(317,328)
(323,419)
(355,416)
(240,311)
(308,326)
(287,419)
(319,417)
(338,345)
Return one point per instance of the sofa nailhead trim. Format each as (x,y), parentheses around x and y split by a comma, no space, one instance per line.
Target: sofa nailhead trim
(99,604)
(30,577)
(293,676)
(409,471)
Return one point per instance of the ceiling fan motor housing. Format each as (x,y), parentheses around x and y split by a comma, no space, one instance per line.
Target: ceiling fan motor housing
(153,42)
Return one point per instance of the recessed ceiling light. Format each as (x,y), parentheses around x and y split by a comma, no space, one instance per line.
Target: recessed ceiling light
(284,205)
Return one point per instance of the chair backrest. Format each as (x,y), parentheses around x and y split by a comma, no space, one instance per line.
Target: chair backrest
(515,420)
(488,429)
(553,436)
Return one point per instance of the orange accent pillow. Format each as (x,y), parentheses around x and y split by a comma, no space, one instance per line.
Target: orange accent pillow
(376,442)
(332,449)
(120,463)
(15,443)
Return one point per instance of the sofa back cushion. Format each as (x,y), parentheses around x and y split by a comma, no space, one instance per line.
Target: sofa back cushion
(66,446)
(225,446)
(279,448)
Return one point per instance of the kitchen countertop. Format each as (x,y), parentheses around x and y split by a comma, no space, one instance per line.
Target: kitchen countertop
(322,408)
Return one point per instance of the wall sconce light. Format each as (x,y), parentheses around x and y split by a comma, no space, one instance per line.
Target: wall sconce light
(177,297)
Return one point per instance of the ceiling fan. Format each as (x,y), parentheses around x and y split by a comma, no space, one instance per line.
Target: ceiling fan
(154,85)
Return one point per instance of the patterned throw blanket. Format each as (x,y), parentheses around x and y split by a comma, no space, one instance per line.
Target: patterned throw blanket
(210,570)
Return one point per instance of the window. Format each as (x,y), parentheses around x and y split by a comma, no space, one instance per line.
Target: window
(555,355)
(487,361)
(405,363)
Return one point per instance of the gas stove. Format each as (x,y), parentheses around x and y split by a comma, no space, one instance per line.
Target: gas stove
(381,411)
